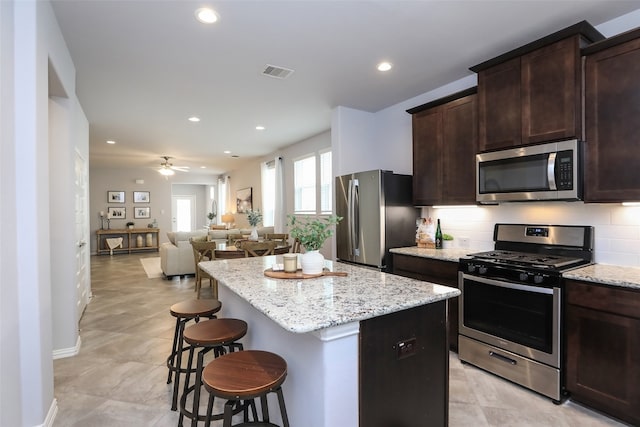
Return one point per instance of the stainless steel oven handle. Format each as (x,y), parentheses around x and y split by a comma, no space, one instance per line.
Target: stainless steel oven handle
(509,285)
(503,358)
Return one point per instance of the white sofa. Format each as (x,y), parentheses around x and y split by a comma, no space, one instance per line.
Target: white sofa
(176,255)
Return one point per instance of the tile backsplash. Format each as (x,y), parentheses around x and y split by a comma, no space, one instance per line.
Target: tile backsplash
(617,227)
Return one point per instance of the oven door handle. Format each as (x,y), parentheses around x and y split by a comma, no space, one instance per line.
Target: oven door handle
(503,358)
(508,285)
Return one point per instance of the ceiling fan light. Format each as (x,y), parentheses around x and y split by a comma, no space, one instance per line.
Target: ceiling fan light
(166,171)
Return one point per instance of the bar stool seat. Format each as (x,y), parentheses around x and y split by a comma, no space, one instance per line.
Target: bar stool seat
(246,375)
(215,334)
(184,312)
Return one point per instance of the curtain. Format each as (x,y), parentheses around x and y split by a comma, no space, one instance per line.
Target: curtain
(279,212)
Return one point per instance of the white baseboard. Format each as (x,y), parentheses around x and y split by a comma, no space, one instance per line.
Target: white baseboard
(68,352)
(51,415)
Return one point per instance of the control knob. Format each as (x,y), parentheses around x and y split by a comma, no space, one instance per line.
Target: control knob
(524,277)
(538,278)
(471,268)
(482,269)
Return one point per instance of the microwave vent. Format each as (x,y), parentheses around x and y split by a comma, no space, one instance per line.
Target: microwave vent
(277,72)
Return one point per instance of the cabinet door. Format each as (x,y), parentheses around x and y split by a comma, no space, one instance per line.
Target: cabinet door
(612,109)
(459,145)
(427,167)
(499,106)
(435,271)
(551,92)
(603,361)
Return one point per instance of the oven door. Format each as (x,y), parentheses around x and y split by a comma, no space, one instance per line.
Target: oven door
(519,318)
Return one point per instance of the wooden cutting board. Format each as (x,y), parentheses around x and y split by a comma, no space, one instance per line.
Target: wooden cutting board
(298,274)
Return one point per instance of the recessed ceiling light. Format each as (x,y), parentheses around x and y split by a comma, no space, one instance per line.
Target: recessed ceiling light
(203,167)
(227,152)
(194,119)
(259,127)
(384,66)
(111,142)
(206,15)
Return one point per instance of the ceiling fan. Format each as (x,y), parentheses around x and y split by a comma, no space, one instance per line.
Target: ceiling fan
(168,169)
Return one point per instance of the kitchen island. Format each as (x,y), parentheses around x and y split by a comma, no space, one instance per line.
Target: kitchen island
(368,349)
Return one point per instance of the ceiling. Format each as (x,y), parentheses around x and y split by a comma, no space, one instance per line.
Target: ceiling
(144,67)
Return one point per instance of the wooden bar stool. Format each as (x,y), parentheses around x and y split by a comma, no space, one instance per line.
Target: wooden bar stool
(213,335)
(243,376)
(183,312)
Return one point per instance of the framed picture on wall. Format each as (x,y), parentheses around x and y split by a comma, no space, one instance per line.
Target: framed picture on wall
(244,200)
(116,213)
(115,196)
(142,212)
(141,197)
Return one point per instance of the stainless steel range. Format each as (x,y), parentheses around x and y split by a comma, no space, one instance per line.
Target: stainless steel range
(511,304)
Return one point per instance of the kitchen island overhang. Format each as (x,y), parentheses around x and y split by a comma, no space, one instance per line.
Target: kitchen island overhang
(315,325)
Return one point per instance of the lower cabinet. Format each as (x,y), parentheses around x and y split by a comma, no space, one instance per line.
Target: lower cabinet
(435,271)
(404,368)
(603,348)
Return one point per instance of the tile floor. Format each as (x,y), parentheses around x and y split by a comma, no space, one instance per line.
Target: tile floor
(119,377)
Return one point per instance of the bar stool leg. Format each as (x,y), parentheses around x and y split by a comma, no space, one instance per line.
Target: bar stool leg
(176,383)
(265,408)
(228,413)
(174,347)
(283,409)
(186,384)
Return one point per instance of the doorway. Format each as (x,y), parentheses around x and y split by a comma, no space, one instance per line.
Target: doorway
(183,213)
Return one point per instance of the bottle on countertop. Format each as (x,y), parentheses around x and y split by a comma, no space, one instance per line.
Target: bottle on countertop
(438,238)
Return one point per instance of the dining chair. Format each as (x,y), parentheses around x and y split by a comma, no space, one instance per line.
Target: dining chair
(233,238)
(229,254)
(279,250)
(203,251)
(259,248)
(296,247)
(280,238)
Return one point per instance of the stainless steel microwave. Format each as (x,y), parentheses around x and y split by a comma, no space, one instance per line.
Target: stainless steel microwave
(549,171)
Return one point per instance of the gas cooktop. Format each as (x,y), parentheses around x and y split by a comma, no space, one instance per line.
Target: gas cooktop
(528,259)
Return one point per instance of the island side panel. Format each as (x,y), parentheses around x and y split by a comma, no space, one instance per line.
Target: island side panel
(404,368)
(321,389)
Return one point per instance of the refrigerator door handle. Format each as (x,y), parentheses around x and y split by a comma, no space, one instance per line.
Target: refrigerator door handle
(354,217)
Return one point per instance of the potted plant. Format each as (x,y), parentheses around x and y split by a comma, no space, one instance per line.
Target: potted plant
(211,216)
(254,218)
(312,233)
(130,225)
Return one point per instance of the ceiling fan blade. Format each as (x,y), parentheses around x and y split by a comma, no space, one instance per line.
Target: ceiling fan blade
(180,168)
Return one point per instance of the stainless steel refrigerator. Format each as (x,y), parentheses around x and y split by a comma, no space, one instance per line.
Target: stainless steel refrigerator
(378,214)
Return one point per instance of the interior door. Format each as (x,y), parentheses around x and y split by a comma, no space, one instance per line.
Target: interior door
(183,213)
(81,236)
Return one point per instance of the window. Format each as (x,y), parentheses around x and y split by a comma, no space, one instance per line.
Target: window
(313,187)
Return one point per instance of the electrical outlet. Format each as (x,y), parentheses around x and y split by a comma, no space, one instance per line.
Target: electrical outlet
(464,242)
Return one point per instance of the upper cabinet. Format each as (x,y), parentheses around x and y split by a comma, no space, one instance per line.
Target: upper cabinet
(445,135)
(533,94)
(612,109)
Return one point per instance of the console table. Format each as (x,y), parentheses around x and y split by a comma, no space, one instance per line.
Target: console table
(129,240)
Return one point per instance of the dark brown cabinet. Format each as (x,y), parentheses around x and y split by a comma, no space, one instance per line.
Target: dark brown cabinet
(435,271)
(533,94)
(404,368)
(603,348)
(444,148)
(612,108)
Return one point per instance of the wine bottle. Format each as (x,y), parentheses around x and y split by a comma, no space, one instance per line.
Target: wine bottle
(438,236)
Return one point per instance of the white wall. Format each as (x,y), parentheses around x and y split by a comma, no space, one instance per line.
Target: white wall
(617,228)
(160,190)
(30,41)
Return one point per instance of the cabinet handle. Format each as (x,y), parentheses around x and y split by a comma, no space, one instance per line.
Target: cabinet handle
(503,358)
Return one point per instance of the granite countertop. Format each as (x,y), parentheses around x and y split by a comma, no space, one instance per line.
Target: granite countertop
(614,275)
(452,254)
(306,305)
